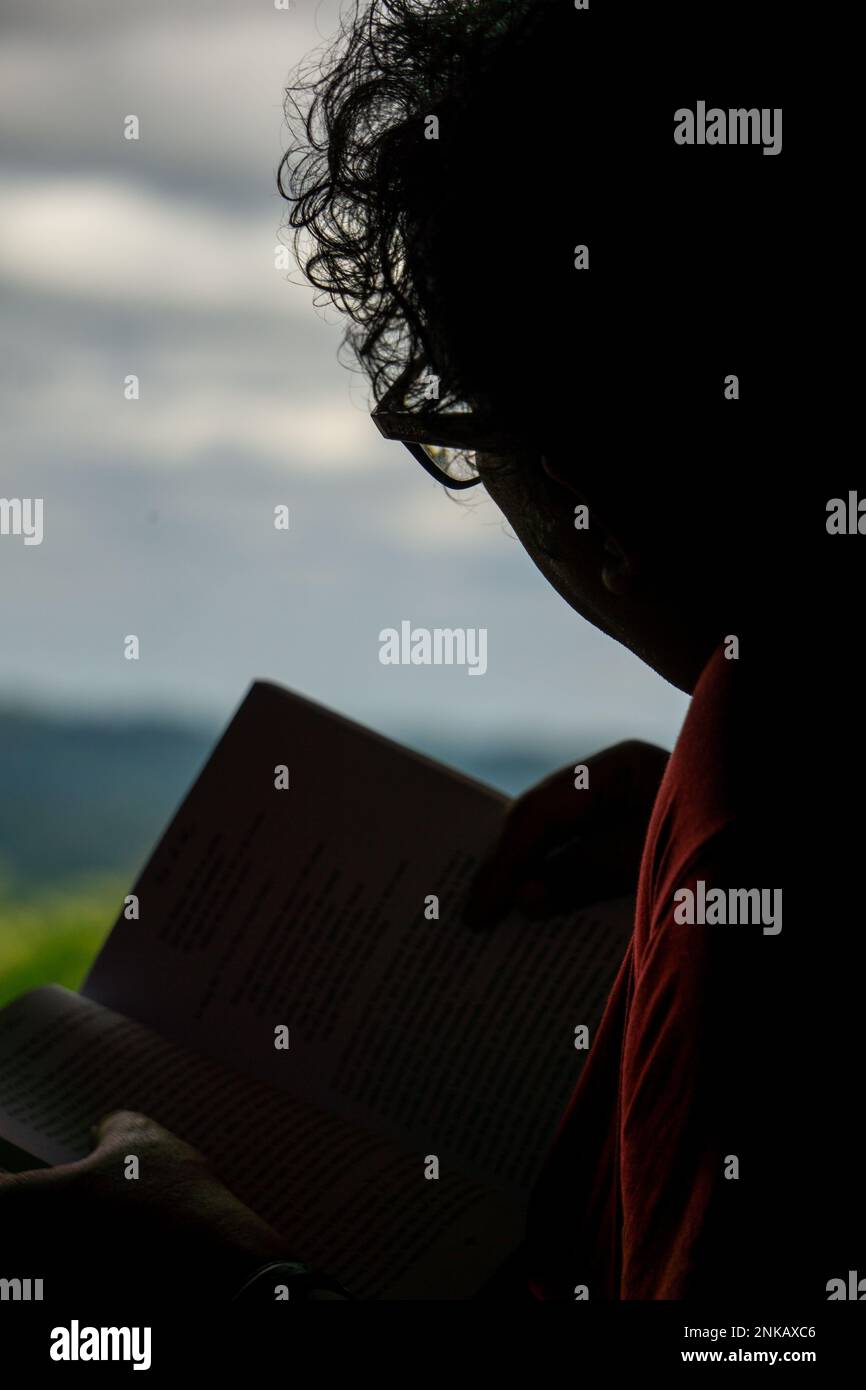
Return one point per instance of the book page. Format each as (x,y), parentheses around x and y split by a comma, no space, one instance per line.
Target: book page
(305,908)
(344,1199)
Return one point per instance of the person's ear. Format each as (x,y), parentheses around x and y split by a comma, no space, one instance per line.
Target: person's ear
(620,570)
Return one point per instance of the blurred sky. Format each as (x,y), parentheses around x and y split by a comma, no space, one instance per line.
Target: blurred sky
(156,257)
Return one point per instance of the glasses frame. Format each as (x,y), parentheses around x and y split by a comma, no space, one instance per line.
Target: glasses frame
(455,430)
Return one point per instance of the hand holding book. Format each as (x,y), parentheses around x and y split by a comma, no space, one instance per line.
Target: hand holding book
(574,839)
(119,1231)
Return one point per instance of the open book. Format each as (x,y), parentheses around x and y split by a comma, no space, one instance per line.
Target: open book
(411,1038)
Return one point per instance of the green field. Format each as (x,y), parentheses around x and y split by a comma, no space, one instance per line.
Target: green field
(51,937)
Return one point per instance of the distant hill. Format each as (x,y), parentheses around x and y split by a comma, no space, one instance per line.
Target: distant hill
(90,796)
(85,796)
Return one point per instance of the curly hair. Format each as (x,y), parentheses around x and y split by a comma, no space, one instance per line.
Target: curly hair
(377,209)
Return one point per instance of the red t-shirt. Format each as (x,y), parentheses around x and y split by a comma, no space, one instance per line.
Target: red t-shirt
(692,1066)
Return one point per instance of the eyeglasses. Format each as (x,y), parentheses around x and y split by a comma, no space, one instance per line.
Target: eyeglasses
(445,445)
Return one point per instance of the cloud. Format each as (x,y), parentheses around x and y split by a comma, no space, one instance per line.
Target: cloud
(102,240)
(428,518)
(205,79)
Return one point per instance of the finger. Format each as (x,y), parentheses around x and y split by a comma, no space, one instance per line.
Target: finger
(113,1134)
(603,867)
(556,816)
(561,803)
(126,1132)
(539,822)
(119,1126)
(113,1137)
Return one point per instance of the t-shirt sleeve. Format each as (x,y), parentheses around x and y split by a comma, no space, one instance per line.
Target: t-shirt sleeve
(707,1147)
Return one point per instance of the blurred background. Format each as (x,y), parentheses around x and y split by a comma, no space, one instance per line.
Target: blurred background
(157,258)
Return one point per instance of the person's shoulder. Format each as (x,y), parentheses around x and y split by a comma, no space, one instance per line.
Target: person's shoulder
(722,783)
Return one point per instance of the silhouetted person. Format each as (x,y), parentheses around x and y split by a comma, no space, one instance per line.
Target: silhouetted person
(455,158)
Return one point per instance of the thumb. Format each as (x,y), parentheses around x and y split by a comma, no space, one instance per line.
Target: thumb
(535,823)
(113,1133)
(125,1132)
(119,1128)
